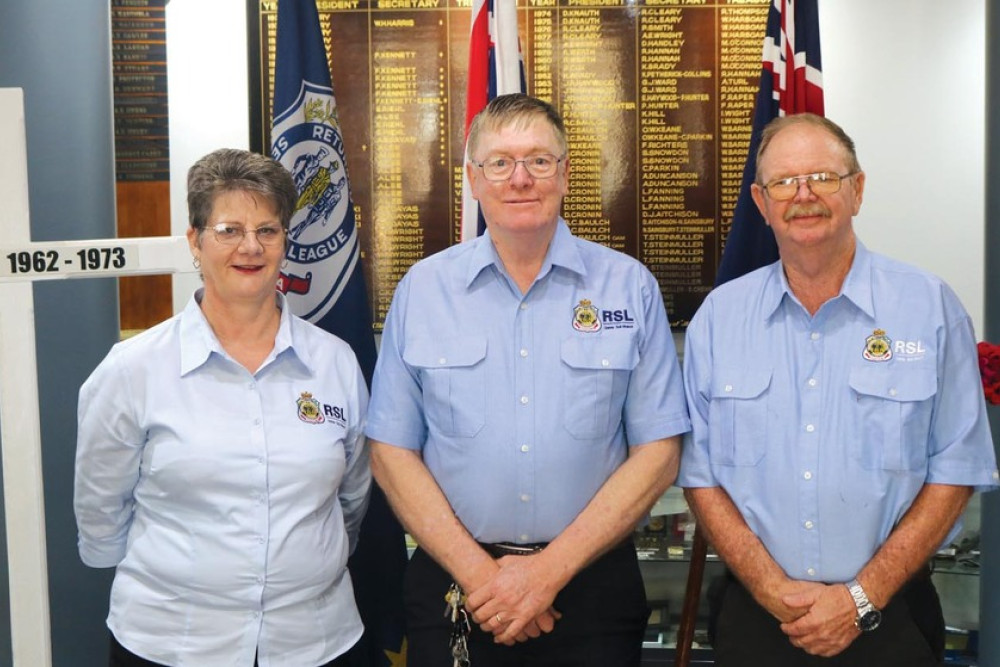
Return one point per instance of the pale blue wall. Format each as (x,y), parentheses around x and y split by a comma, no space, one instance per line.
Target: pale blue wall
(58,51)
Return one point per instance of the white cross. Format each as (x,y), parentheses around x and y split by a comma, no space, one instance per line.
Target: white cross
(21,263)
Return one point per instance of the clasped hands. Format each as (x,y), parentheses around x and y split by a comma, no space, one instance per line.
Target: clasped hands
(818,618)
(514,603)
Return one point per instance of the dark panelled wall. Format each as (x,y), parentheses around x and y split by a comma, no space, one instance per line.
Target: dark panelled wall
(989,580)
(59,53)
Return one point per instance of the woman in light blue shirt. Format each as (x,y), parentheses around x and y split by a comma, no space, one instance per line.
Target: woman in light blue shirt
(221,465)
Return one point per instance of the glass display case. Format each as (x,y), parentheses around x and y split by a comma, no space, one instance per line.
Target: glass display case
(664,546)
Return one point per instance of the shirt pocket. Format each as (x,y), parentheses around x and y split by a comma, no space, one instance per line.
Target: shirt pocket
(894,407)
(453,375)
(737,416)
(596,372)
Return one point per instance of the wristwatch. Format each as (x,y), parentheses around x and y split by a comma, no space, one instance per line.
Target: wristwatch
(868,617)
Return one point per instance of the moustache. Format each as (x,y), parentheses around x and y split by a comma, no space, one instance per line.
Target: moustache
(806,210)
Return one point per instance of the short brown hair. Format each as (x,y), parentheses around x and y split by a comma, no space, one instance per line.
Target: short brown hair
(229,170)
(515,109)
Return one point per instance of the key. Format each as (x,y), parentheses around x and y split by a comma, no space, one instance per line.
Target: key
(460,627)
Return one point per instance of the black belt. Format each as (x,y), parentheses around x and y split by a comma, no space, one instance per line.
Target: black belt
(501,549)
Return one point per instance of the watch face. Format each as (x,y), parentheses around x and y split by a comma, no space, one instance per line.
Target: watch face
(870,620)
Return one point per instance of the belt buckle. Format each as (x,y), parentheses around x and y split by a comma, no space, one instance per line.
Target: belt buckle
(517,549)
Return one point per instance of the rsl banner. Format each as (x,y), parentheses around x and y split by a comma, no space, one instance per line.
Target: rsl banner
(791,81)
(324,283)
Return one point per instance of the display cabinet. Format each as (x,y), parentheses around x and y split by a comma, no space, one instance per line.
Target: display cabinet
(664,546)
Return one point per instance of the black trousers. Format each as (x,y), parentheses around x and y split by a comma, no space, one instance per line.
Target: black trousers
(911,633)
(122,657)
(603,610)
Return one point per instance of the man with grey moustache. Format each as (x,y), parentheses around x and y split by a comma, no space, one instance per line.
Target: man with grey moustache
(839,427)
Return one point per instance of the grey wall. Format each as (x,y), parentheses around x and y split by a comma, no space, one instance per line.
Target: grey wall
(58,51)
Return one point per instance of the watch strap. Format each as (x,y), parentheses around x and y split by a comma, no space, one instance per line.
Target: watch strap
(861,600)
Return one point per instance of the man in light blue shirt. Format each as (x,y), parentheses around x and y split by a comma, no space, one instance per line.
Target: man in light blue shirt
(839,427)
(527,400)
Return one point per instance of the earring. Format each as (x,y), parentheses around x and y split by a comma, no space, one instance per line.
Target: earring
(196,261)
(284,263)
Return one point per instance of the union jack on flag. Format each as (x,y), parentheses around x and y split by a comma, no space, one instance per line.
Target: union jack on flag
(791,82)
(496,67)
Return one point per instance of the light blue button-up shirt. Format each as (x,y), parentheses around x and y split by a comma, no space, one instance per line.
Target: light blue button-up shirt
(524,405)
(228,501)
(823,429)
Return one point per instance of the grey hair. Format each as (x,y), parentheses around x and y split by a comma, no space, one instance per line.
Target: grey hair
(834,130)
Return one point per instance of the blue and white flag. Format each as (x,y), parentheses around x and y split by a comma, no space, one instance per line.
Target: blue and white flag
(324,283)
(790,82)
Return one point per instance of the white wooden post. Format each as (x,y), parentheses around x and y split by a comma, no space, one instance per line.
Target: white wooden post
(21,263)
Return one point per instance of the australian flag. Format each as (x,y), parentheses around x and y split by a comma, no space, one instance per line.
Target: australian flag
(324,283)
(791,82)
(495,68)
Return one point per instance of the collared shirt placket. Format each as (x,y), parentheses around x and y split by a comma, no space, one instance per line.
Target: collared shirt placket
(524,442)
(810,344)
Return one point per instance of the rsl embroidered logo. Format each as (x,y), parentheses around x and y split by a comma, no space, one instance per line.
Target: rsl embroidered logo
(585,317)
(310,411)
(323,245)
(878,346)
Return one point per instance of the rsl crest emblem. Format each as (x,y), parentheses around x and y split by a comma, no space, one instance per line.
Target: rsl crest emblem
(878,346)
(323,246)
(585,317)
(309,409)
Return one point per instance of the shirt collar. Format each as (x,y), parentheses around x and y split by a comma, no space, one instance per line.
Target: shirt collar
(562,252)
(858,284)
(857,287)
(198,341)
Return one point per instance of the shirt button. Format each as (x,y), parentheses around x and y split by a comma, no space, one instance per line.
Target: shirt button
(996,474)
(808,525)
(525,497)
(811,572)
(892,391)
(524,537)
(443,360)
(814,335)
(525,448)
(256,422)
(252,385)
(810,428)
(524,352)
(260,540)
(605,363)
(260,459)
(524,400)
(728,388)
(523,306)
(807,475)
(812,382)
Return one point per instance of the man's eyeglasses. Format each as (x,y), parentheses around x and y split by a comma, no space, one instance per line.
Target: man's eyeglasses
(500,168)
(228,234)
(822,183)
